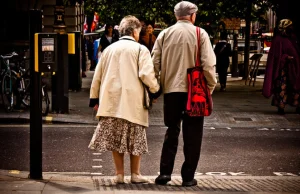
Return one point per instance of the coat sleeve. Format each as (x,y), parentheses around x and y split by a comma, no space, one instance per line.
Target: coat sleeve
(146,70)
(156,53)
(208,61)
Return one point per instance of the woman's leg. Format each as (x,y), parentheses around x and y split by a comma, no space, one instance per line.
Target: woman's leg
(119,162)
(136,176)
(135,162)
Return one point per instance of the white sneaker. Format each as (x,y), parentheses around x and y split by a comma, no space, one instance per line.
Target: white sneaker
(119,179)
(137,178)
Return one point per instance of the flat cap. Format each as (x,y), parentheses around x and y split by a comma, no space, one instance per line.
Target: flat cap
(185,8)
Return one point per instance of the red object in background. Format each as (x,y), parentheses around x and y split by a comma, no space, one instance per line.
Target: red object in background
(267,39)
(93,27)
(95,22)
(85,25)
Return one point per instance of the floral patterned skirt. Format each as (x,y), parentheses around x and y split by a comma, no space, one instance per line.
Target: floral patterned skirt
(283,93)
(115,134)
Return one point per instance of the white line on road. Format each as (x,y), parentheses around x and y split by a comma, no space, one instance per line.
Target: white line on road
(96,173)
(97,154)
(97,160)
(97,166)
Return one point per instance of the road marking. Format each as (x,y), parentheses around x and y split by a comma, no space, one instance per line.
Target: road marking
(284,174)
(97,154)
(96,173)
(49,119)
(97,160)
(97,166)
(14,172)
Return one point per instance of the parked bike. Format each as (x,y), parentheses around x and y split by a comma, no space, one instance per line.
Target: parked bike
(15,84)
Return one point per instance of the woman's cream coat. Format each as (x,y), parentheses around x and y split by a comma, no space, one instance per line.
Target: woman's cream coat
(116,83)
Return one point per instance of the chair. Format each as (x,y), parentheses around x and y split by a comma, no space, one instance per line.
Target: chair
(253,68)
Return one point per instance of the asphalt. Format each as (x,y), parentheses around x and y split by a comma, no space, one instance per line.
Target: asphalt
(240,106)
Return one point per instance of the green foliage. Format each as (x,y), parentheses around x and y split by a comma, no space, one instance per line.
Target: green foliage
(157,10)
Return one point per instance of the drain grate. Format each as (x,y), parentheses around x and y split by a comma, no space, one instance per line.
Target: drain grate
(207,184)
(242,119)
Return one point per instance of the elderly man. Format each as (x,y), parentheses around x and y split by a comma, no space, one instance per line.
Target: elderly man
(173,53)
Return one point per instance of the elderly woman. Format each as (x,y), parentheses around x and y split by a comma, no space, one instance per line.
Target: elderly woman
(282,79)
(117,93)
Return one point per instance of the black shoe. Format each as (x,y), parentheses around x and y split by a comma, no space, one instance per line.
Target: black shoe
(222,89)
(162,179)
(280,111)
(189,183)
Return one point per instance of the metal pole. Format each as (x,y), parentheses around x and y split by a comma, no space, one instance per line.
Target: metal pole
(247,39)
(35,22)
(60,98)
(234,70)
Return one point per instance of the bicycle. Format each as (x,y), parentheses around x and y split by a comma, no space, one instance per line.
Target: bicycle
(25,96)
(7,82)
(15,86)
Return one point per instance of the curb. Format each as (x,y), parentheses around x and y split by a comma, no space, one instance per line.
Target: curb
(46,120)
(76,181)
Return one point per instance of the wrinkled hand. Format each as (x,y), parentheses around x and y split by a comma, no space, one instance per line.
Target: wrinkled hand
(96,107)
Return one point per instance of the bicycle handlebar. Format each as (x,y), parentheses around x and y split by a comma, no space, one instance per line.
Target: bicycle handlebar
(9,56)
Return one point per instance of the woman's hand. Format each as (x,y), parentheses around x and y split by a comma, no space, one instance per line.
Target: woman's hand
(96,107)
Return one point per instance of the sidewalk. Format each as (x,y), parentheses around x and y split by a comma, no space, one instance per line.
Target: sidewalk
(62,183)
(240,106)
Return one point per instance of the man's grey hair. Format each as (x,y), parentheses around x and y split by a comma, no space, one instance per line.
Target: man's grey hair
(128,25)
(185,8)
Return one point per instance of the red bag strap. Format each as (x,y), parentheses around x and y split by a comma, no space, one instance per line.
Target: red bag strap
(199,47)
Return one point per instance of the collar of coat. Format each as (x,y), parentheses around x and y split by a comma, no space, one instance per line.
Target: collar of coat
(127,37)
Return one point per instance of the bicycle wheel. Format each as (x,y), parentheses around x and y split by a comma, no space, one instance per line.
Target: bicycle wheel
(7,93)
(45,102)
(26,97)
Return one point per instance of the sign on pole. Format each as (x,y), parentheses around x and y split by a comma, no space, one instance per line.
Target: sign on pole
(232,23)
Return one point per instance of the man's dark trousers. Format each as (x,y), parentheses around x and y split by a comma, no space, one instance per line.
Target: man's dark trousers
(192,131)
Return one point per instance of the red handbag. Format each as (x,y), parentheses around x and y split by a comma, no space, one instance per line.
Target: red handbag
(199,102)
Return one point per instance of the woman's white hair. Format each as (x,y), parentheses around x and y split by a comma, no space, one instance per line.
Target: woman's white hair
(128,25)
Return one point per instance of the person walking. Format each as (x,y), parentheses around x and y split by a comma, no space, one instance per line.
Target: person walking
(110,36)
(117,95)
(173,53)
(147,37)
(223,52)
(282,78)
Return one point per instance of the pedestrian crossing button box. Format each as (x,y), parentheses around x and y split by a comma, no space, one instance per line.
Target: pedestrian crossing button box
(45,52)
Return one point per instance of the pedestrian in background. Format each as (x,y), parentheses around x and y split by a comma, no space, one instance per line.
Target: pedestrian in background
(147,37)
(117,93)
(110,36)
(282,78)
(90,50)
(223,52)
(173,53)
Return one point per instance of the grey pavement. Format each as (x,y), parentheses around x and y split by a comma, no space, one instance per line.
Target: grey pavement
(240,106)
